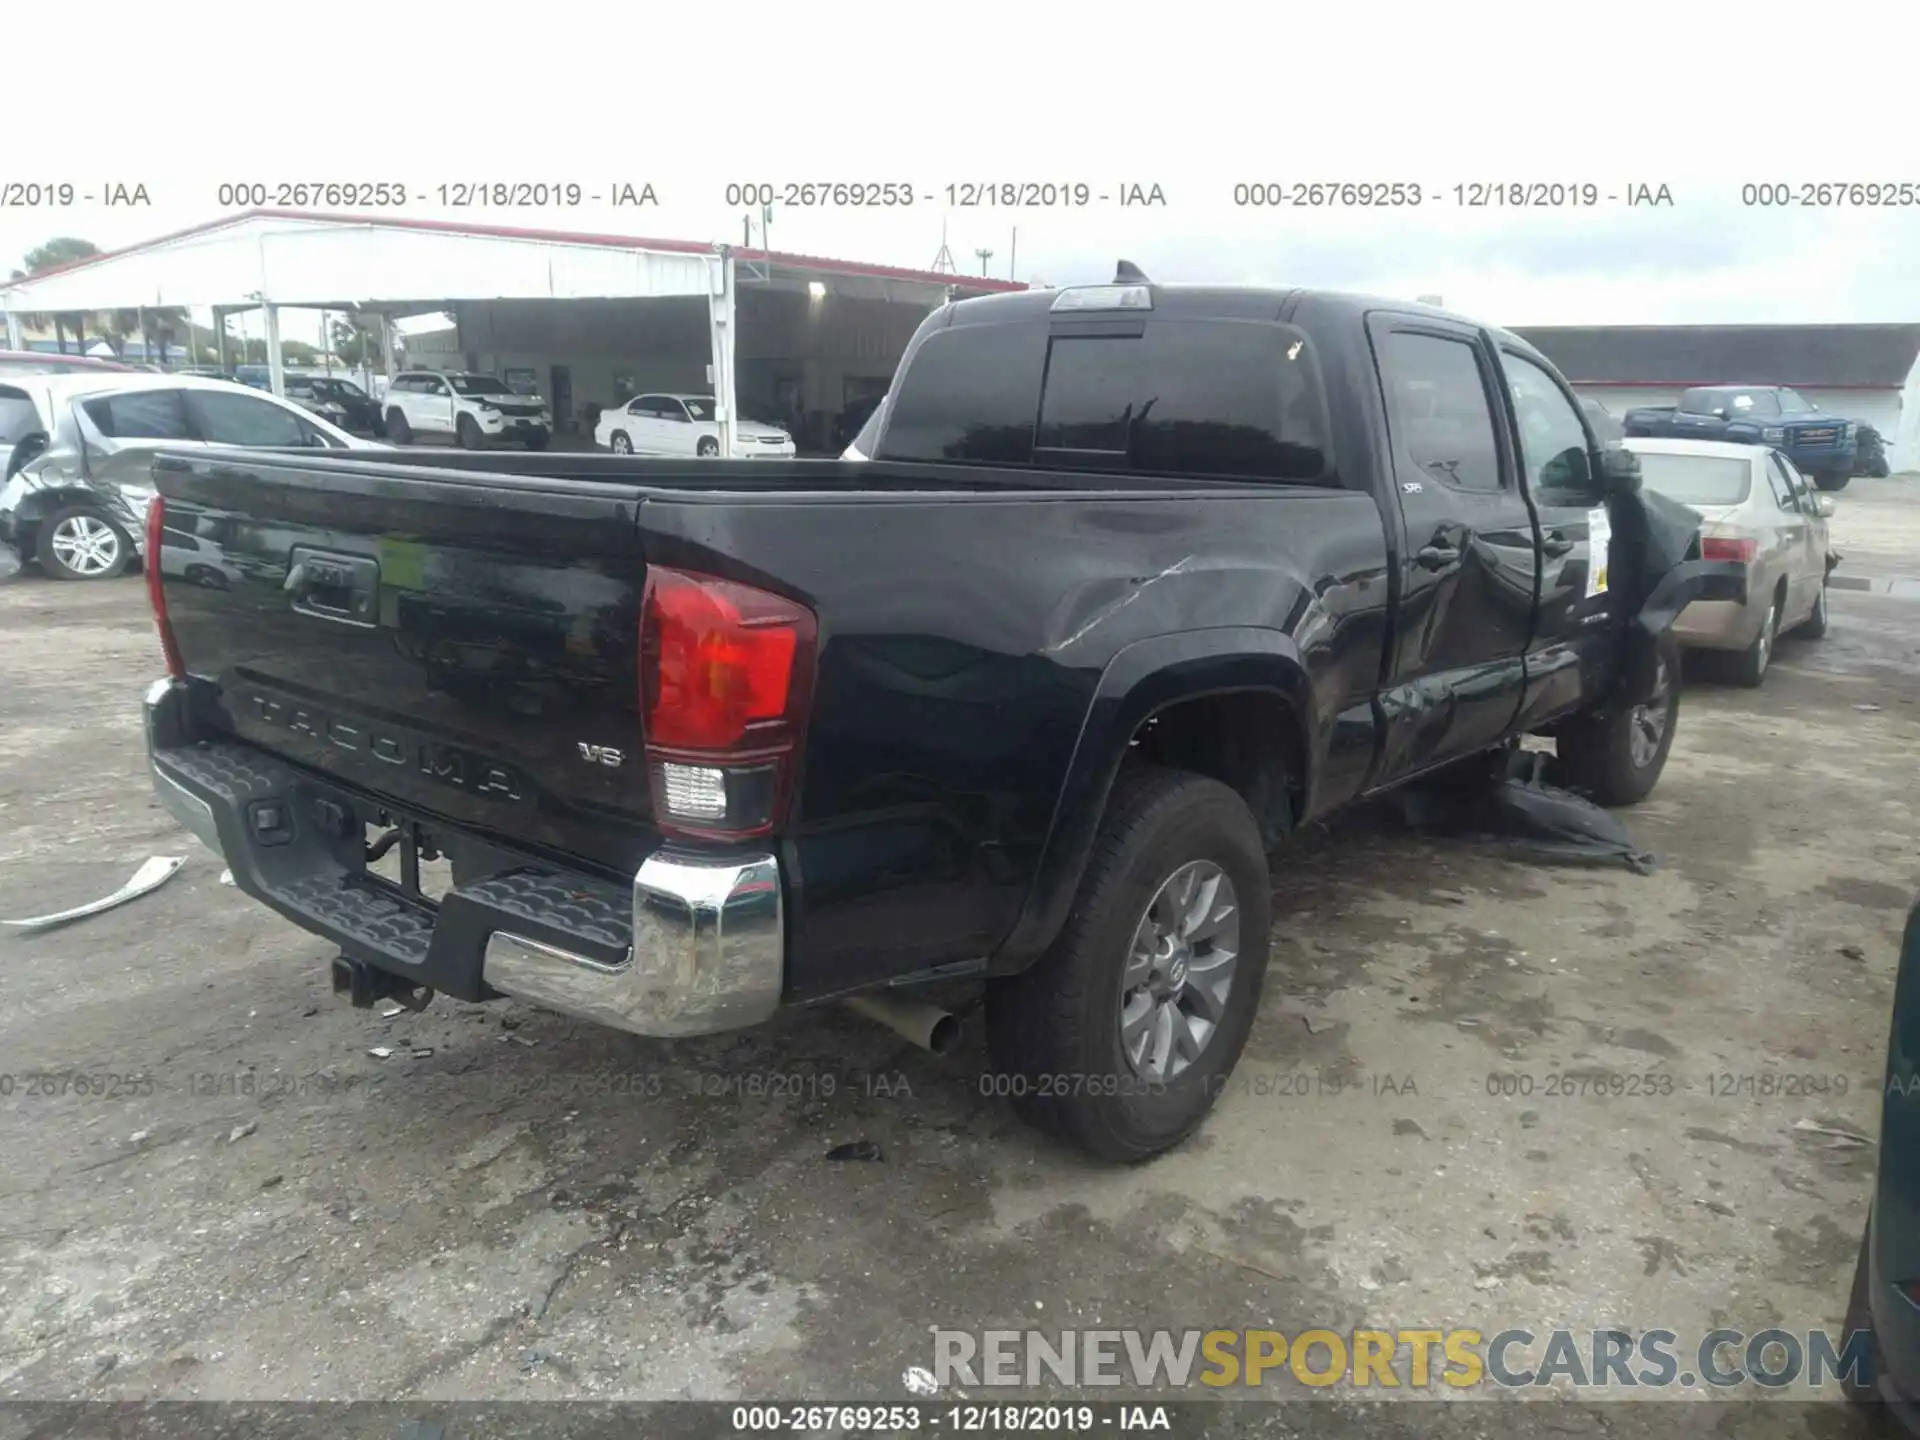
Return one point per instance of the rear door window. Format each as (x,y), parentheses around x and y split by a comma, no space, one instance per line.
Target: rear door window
(242,420)
(140,415)
(1438,410)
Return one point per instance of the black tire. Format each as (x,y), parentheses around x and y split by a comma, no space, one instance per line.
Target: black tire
(1751,664)
(620,444)
(1860,1318)
(537,440)
(1879,469)
(467,431)
(1054,1030)
(1814,627)
(399,432)
(1607,754)
(707,448)
(55,537)
(1832,482)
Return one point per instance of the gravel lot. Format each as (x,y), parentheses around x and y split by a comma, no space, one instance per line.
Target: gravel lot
(514,1206)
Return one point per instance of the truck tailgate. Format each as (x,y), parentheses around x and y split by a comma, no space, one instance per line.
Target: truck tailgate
(461,644)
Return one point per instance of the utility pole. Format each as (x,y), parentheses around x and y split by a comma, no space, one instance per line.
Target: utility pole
(985,256)
(943,262)
(1013,253)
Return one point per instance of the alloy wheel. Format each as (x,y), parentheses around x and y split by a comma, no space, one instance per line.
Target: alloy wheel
(86,545)
(1648,721)
(1180,969)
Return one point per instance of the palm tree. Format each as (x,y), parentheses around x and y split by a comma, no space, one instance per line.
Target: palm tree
(61,250)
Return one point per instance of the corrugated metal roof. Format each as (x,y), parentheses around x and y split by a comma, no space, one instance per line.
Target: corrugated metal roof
(1835,357)
(319,220)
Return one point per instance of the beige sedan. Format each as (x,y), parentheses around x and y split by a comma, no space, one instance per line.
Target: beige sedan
(1757,509)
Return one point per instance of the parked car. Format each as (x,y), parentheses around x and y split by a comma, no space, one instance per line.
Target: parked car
(32,362)
(78,452)
(684,425)
(1757,512)
(338,401)
(1884,1304)
(1141,579)
(471,409)
(1821,445)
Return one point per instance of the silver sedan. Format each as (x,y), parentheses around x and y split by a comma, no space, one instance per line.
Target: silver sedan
(1756,509)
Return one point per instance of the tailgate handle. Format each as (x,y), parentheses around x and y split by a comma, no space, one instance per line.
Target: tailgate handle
(340,588)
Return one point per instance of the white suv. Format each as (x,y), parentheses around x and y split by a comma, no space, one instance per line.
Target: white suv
(472,409)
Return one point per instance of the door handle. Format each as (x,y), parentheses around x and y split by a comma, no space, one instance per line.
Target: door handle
(1555,545)
(1436,556)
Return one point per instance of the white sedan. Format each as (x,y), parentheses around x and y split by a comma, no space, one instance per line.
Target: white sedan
(683,426)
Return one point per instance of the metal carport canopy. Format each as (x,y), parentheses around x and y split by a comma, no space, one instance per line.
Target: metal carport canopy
(275,258)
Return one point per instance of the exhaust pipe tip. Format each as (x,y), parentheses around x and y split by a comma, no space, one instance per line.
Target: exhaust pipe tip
(928,1026)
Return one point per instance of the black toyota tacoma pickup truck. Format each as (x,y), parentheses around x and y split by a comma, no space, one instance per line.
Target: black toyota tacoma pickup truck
(1137,580)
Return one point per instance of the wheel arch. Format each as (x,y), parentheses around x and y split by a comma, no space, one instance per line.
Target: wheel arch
(1232,703)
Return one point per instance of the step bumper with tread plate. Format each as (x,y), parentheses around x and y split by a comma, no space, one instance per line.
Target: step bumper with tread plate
(694,945)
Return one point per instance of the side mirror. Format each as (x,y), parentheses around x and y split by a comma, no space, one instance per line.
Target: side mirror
(1823,506)
(1619,471)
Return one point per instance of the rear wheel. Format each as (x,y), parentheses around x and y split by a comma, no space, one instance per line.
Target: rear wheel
(1750,665)
(1119,1038)
(1815,625)
(621,444)
(398,431)
(80,543)
(1616,755)
(1832,482)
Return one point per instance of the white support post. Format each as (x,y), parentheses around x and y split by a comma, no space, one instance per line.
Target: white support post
(720,318)
(276,365)
(13,327)
(220,338)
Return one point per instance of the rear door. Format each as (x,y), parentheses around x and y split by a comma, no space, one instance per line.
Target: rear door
(1575,632)
(120,434)
(223,418)
(1471,574)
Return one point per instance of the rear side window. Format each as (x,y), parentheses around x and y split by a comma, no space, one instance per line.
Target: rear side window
(18,417)
(1214,398)
(140,415)
(242,420)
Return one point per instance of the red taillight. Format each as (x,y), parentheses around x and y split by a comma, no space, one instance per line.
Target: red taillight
(726,673)
(156,590)
(1723,547)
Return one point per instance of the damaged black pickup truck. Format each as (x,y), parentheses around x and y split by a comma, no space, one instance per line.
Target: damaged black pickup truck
(1138,579)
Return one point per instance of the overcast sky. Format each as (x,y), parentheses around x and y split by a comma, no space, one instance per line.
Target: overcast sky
(1193,98)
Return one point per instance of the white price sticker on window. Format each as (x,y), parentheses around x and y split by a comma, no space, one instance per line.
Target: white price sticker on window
(1599,541)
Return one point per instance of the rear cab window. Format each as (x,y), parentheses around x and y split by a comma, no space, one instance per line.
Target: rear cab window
(1213,398)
